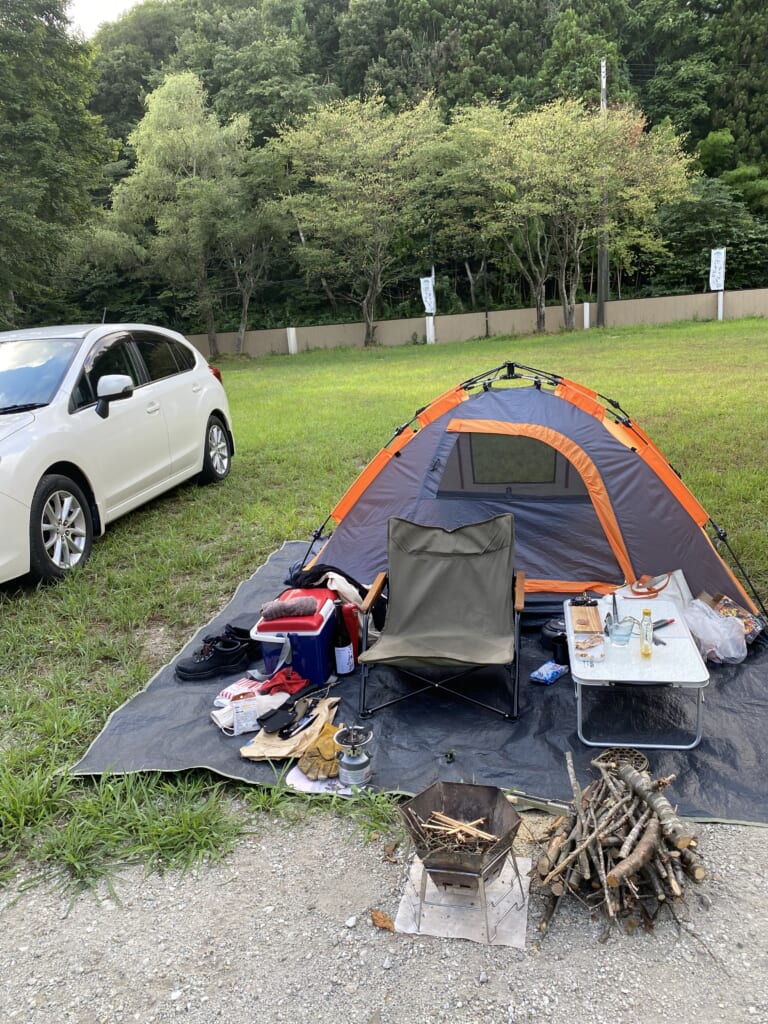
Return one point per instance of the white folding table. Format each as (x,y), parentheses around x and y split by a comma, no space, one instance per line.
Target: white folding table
(596,662)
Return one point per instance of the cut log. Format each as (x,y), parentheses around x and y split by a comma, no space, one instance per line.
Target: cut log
(693,865)
(644,852)
(674,885)
(678,833)
(651,875)
(634,834)
(596,852)
(579,804)
(561,840)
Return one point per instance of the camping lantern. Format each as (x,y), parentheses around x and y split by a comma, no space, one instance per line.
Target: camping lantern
(355,762)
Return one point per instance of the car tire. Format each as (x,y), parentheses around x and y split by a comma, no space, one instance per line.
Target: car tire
(217,453)
(60,528)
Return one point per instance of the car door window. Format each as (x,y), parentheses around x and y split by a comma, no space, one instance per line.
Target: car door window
(185,357)
(163,357)
(113,356)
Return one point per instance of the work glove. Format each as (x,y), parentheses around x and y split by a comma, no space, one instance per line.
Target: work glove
(321,760)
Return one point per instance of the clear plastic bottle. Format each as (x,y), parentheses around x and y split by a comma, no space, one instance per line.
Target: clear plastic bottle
(646,634)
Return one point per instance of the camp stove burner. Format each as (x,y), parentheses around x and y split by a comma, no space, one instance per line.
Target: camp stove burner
(355,762)
(457,870)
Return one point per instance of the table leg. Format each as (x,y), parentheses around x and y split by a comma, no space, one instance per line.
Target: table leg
(607,742)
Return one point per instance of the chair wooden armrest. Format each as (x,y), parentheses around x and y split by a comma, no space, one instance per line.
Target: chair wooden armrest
(519,591)
(374,593)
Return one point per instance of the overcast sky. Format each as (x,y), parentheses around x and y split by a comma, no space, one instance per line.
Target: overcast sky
(89,14)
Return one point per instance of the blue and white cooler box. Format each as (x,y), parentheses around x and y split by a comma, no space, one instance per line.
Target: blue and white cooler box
(310,637)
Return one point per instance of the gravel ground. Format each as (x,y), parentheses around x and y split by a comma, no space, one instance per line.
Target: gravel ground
(281,932)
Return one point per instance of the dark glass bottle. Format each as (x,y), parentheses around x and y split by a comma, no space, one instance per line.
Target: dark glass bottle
(343,652)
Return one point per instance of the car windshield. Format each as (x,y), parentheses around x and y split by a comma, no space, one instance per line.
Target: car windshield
(31,371)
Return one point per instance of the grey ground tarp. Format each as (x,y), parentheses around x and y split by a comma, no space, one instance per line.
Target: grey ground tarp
(166,727)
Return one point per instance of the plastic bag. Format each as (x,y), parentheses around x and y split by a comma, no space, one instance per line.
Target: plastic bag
(719,638)
(548,673)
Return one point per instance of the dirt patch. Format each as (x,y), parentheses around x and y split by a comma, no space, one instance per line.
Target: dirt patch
(282,933)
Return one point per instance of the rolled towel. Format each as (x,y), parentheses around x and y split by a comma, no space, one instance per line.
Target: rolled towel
(294,607)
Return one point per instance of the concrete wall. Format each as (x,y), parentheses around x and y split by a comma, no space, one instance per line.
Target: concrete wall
(462,327)
(660,310)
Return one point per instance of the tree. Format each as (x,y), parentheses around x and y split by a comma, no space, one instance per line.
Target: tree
(254,60)
(747,182)
(520,227)
(51,148)
(717,152)
(356,173)
(454,204)
(186,164)
(101,274)
(363,34)
(253,229)
(741,104)
(571,65)
(669,48)
(477,51)
(572,171)
(130,54)
(712,217)
(462,52)
(465,194)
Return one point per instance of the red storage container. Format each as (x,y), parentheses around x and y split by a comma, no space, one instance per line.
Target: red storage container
(310,636)
(299,623)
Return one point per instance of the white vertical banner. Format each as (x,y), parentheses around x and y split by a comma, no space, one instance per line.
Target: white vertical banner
(430,305)
(717,270)
(717,277)
(428,295)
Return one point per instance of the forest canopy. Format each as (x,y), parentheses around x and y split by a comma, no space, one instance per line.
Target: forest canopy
(225,165)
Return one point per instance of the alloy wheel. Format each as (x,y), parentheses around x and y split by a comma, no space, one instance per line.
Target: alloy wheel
(64,529)
(218,449)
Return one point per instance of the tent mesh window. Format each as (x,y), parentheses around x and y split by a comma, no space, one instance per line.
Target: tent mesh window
(509,466)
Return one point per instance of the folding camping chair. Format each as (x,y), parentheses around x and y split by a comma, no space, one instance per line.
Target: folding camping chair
(454,606)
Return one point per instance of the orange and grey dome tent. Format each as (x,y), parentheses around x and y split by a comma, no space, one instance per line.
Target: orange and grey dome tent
(596,503)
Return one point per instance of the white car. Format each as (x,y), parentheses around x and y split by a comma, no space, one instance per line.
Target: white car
(94,421)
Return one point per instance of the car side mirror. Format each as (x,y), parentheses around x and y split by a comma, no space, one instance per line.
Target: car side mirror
(112,387)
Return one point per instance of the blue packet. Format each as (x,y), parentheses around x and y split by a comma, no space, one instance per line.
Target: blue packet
(548,673)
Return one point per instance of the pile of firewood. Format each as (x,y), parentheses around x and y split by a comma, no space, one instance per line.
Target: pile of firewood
(441,832)
(622,848)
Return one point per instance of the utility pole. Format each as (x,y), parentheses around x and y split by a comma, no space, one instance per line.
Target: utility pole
(602,243)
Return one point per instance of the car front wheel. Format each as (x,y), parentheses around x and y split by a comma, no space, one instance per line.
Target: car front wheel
(60,528)
(217,454)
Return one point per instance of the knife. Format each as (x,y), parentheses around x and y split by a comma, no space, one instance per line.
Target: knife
(285,734)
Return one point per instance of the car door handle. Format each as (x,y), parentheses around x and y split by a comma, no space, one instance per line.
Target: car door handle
(197,388)
(153,407)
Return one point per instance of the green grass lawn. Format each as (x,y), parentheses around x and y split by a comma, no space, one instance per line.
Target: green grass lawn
(305,426)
